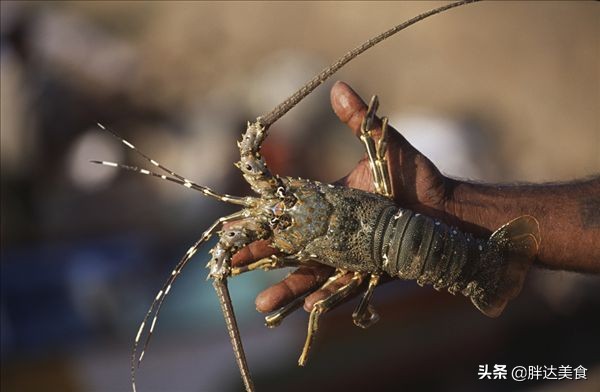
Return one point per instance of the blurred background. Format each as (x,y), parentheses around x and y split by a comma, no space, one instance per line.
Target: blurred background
(495,92)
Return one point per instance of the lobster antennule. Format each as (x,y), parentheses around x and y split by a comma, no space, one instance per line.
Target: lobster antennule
(140,153)
(166,288)
(172,176)
(242,201)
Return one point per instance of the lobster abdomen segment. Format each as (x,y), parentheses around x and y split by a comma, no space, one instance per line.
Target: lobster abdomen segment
(409,245)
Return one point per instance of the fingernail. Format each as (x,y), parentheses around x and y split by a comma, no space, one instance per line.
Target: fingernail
(260,303)
(342,100)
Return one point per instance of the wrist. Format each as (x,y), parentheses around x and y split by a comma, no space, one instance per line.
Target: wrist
(473,207)
(566,212)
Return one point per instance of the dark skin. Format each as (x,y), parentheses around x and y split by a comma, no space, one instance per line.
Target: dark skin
(569,213)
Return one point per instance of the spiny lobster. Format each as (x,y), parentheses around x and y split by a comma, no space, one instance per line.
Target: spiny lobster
(351,230)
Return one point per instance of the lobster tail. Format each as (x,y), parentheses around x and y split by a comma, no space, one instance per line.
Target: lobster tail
(510,252)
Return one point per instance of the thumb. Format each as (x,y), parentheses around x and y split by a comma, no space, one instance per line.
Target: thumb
(348,106)
(351,109)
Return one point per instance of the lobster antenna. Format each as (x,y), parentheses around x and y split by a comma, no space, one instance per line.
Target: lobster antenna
(267,120)
(220,286)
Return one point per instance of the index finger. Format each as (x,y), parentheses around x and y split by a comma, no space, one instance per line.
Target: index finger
(253,252)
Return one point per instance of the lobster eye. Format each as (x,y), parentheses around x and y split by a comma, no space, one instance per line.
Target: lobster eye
(284,222)
(290,201)
(248,167)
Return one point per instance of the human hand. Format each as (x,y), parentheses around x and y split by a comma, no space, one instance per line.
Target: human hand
(416,183)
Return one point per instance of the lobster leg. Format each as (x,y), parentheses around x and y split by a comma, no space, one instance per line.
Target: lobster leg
(376,149)
(275,318)
(381,162)
(323,306)
(266,264)
(365,315)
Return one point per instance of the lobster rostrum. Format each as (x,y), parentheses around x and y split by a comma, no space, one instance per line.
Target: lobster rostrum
(354,231)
